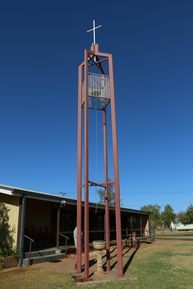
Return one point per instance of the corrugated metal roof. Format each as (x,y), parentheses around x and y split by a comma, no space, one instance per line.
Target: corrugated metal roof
(16,191)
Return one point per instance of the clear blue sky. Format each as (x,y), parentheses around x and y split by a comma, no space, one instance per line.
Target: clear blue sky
(41,45)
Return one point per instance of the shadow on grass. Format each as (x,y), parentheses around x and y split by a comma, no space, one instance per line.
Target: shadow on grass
(94,261)
(127,264)
(123,254)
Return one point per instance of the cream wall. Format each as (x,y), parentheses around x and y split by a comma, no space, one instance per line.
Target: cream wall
(12,203)
(147,229)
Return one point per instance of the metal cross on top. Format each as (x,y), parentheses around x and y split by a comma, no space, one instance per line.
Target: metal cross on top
(94,29)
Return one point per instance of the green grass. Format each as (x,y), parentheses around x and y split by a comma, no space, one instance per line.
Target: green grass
(174,232)
(161,265)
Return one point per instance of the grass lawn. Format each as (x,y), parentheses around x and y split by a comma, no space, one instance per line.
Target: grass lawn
(165,264)
(174,233)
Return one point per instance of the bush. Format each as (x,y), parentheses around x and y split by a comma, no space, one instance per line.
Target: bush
(6,233)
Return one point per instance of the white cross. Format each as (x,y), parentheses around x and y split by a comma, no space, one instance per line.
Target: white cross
(94,29)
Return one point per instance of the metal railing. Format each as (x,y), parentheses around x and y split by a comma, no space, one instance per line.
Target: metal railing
(129,234)
(66,241)
(30,246)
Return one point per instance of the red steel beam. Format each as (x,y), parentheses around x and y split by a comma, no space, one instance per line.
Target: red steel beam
(116,172)
(107,223)
(86,186)
(103,185)
(79,177)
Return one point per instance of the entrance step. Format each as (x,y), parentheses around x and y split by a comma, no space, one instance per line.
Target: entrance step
(48,255)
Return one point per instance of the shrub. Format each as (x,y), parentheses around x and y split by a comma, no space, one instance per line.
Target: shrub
(6,233)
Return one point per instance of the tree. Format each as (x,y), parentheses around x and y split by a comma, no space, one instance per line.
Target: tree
(111,195)
(168,216)
(182,217)
(189,213)
(155,214)
(186,217)
(6,234)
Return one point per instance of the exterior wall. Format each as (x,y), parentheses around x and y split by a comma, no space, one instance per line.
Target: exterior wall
(12,203)
(147,229)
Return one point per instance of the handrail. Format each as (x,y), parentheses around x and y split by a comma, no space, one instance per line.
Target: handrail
(66,241)
(32,240)
(61,234)
(30,246)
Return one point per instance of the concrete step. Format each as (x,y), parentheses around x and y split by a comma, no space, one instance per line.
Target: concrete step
(45,252)
(43,258)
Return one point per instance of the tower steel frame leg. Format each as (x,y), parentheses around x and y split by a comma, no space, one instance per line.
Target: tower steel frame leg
(86,186)
(107,221)
(79,176)
(116,172)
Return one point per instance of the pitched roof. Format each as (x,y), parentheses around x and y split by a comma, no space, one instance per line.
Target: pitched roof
(16,191)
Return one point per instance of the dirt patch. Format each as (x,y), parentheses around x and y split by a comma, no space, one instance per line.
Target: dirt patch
(13,271)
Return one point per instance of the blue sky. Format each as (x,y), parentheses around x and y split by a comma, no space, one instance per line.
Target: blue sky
(41,45)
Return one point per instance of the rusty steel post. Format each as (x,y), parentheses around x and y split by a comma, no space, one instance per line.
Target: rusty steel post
(107,222)
(79,176)
(86,188)
(116,172)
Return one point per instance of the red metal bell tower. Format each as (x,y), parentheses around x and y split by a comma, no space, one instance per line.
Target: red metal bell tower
(96,91)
